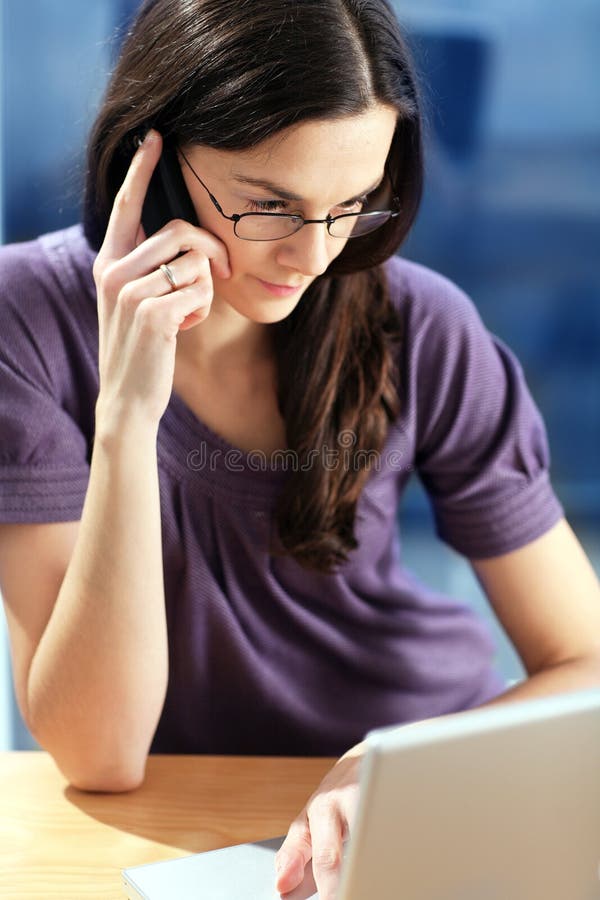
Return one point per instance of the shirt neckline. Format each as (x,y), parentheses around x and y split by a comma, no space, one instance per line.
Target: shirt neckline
(203,457)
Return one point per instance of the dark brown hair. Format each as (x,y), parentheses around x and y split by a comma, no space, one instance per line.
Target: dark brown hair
(229,75)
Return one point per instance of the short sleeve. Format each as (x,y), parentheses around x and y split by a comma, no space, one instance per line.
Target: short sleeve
(44,452)
(481,446)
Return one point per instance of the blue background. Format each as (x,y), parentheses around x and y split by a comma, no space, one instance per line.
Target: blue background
(511,209)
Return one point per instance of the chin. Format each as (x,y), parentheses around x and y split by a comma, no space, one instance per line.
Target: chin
(260,310)
(267,313)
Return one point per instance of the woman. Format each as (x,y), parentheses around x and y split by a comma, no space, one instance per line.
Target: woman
(206,430)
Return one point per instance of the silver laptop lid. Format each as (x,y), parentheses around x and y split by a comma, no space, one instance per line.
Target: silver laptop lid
(497,804)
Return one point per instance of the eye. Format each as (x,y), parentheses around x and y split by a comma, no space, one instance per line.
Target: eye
(266,205)
(354,206)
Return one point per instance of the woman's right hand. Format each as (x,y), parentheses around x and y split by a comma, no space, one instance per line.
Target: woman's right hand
(139,313)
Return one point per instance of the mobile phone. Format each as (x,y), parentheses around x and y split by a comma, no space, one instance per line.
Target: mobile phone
(167,197)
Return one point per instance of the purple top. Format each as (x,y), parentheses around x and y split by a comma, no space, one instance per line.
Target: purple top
(266,657)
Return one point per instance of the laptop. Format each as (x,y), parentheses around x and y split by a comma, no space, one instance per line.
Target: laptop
(494,804)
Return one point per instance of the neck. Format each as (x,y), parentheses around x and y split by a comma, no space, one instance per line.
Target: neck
(226,340)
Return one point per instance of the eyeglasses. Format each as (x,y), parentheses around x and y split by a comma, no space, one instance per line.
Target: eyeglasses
(272,226)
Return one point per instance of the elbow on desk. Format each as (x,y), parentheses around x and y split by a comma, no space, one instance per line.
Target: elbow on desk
(111,773)
(101,760)
(106,783)
(108,779)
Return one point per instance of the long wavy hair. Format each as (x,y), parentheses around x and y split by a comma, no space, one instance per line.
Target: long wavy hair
(229,75)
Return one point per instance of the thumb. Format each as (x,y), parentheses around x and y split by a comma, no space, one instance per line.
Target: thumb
(293,856)
(290,871)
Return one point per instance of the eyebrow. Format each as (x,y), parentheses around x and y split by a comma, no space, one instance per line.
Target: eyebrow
(289,195)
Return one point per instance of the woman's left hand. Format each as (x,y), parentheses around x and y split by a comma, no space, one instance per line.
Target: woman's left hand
(319,831)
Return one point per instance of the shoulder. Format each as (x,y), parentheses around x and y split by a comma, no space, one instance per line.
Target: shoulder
(441,326)
(47,303)
(426,298)
(52,266)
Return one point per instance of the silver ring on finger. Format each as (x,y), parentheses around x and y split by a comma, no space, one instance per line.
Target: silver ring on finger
(168,273)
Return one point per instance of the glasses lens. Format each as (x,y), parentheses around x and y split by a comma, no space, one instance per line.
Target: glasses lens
(266,226)
(362,223)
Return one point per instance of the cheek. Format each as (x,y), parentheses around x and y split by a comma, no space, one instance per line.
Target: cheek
(220,228)
(337,248)
(246,257)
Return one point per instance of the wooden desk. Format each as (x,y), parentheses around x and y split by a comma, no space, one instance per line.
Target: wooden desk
(57,842)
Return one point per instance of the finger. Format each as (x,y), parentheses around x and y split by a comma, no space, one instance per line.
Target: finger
(124,223)
(306,890)
(327,827)
(192,306)
(188,269)
(173,239)
(194,318)
(293,855)
(175,309)
(166,315)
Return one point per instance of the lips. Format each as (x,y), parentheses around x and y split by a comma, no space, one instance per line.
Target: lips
(279,290)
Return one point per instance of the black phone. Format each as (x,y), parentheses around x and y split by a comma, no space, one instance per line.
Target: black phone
(167,197)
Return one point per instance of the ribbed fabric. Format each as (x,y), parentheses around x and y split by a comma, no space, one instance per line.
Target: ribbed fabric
(266,657)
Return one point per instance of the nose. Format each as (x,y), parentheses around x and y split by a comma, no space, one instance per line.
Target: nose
(309,250)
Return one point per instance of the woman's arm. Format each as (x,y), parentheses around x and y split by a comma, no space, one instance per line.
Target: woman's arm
(547,597)
(86,618)
(92,662)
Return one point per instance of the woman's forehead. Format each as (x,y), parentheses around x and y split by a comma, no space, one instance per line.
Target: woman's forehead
(342,136)
(316,153)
